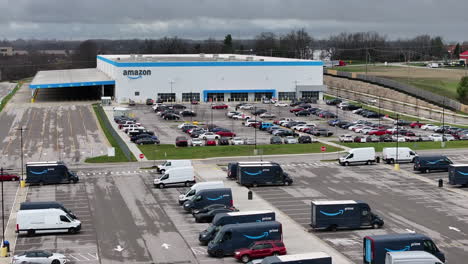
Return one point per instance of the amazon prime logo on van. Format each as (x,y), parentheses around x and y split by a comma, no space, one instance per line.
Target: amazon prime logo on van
(266,218)
(136,74)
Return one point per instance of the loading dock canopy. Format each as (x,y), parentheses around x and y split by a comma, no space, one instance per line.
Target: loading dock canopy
(70,78)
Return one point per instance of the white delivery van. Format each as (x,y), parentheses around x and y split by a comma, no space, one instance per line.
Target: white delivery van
(179,175)
(405,154)
(198,187)
(358,155)
(169,164)
(411,257)
(50,220)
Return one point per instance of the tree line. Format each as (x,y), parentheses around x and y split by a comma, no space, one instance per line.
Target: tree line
(359,46)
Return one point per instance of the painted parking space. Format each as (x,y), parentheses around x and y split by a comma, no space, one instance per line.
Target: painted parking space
(406,204)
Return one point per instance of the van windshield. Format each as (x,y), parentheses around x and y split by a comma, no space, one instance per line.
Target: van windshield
(211,228)
(165,163)
(190,192)
(218,237)
(346,155)
(165,176)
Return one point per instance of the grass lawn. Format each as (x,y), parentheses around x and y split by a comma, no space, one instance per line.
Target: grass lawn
(361,68)
(161,152)
(7,98)
(119,155)
(438,86)
(413,145)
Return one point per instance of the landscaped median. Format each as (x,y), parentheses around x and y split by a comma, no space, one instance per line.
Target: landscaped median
(162,152)
(106,128)
(7,98)
(413,145)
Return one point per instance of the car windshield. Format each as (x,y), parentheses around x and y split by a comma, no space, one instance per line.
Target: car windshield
(218,237)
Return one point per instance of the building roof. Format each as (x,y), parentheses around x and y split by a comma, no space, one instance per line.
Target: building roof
(70,78)
(464,54)
(200,60)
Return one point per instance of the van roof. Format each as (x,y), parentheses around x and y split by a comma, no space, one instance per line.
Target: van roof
(259,164)
(411,255)
(459,165)
(296,257)
(42,163)
(392,237)
(254,224)
(208,183)
(216,189)
(431,156)
(330,202)
(248,213)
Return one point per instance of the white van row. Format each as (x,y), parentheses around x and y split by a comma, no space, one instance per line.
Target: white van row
(367,156)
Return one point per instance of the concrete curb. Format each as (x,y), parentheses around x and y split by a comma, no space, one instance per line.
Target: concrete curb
(10,227)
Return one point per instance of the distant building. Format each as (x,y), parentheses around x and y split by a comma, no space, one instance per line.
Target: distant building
(6,51)
(10,51)
(464,56)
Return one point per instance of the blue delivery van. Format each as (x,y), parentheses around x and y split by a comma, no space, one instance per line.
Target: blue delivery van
(208,197)
(458,174)
(236,236)
(349,214)
(262,174)
(431,163)
(223,219)
(50,172)
(376,247)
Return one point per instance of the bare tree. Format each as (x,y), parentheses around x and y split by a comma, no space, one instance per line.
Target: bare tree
(266,44)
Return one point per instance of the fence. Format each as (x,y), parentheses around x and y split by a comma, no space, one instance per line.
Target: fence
(108,126)
(401,87)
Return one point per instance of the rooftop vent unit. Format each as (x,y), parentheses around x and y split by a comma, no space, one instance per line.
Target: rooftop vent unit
(249,58)
(262,60)
(132,56)
(118,58)
(202,55)
(232,57)
(215,56)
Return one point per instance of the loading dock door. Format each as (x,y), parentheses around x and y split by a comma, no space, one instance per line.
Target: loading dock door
(215,97)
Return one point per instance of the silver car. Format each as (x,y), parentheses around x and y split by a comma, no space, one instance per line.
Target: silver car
(39,256)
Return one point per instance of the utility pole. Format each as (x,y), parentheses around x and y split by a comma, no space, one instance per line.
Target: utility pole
(21,129)
(3,206)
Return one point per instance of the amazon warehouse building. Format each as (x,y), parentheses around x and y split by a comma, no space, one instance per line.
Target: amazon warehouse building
(186,77)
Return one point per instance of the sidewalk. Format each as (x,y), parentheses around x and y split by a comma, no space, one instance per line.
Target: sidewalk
(132,146)
(10,227)
(295,237)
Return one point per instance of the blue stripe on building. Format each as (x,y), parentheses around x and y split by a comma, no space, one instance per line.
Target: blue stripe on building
(64,85)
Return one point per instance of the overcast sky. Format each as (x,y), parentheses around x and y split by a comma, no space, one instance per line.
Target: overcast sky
(200,19)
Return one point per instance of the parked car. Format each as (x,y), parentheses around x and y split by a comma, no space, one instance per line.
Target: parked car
(346,138)
(260,249)
(294,110)
(436,137)
(372,138)
(194,102)
(226,134)
(219,106)
(145,141)
(246,107)
(321,132)
(259,112)
(223,141)
(232,113)
(197,142)
(39,256)
(334,101)
(268,115)
(237,141)
(302,113)
(131,103)
(290,140)
(181,141)
(281,104)
(149,101)
(187,113)
(276,140)
(416,124)
(9,177)
(429,127)
(210,142)
(286,132)
(304,139)
(171,116)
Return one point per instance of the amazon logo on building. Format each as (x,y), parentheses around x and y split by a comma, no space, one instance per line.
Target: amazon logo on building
(136,74)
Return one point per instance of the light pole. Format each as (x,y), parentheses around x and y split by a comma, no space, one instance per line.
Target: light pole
(255,130)
(397,165)
(21,129)
(3,207)
(443,123)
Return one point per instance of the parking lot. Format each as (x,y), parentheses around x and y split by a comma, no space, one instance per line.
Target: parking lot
(124,220)
(405,202)
(6,88)
(53,131)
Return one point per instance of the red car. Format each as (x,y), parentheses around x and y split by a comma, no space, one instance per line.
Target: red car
(260,249)
(379,132)
(210,142)
(219,106)
(416,124)
(226,133)
(9,177)
(294,110)
(194,102)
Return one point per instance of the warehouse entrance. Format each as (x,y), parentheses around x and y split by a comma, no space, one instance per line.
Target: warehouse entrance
(215,97)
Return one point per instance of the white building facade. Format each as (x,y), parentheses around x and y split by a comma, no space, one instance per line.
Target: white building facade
(211,77)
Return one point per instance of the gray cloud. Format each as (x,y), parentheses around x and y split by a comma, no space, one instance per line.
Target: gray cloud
(81,19)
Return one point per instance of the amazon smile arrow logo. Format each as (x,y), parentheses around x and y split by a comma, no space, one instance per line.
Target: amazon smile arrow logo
(253,173)
(340,212)
(265,234)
